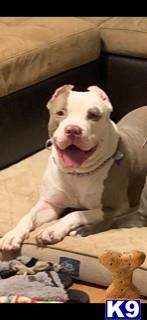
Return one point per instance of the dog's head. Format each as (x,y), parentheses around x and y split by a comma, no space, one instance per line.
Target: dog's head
(78,123)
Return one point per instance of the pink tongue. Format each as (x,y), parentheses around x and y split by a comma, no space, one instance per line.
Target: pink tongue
(73,157)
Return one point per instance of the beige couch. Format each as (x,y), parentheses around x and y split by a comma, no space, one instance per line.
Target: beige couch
(33,50)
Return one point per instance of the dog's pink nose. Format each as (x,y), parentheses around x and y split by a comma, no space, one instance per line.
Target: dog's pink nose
(73,130)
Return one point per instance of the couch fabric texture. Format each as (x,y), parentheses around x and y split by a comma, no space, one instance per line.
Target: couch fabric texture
(122,35)
(34,49)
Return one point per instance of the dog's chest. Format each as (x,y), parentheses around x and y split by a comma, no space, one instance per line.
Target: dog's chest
(85,191)
(75,191)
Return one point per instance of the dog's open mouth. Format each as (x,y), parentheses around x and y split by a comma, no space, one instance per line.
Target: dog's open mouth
(73,156)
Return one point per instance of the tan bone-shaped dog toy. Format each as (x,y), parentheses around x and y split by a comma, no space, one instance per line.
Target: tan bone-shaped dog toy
(122,266)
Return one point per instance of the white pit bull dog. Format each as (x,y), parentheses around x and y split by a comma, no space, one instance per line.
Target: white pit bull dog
(95,167)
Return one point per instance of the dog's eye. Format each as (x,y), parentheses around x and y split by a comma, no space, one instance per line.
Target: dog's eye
(94,114)
(60,113)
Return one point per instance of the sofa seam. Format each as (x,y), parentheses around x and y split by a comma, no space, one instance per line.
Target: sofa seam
(118,29)
(31,243)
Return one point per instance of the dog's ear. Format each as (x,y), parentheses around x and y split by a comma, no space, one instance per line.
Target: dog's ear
(60,90)
(99,92)
(102,95)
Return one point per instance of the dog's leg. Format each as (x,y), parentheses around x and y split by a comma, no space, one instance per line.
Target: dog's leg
(41,213)
(70,222)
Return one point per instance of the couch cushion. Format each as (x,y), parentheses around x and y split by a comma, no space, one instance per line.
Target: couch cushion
(35,48)
(19,189)
(125,36)
(19,186)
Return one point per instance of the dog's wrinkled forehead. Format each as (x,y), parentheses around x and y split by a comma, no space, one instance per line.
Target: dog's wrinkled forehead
(83,102)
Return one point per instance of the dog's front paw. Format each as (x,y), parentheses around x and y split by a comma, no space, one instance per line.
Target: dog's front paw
(12,240)
(51,235)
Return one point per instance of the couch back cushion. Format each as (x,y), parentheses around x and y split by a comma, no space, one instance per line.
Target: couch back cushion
(35,48)
(125,36)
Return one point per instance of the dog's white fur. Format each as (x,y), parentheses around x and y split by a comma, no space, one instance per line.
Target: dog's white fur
(61,189)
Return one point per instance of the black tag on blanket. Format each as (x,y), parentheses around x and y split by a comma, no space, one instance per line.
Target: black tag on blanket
(69,266)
